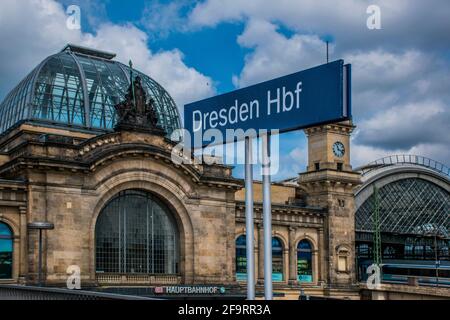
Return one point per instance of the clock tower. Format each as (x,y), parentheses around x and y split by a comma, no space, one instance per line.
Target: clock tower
(329,182)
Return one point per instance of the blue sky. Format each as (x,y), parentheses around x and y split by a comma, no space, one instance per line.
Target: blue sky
(196,49)
(212,51)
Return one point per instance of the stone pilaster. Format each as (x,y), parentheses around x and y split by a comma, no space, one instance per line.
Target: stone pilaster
(292,256)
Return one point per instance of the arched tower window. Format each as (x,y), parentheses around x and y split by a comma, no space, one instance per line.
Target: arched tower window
(277,259)
(304,261)
(6,251)
(136,233)
(241,258)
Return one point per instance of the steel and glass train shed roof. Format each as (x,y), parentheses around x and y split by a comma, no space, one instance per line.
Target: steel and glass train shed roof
(413,196)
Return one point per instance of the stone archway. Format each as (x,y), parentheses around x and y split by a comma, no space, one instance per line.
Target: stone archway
(136,234)
(172,201)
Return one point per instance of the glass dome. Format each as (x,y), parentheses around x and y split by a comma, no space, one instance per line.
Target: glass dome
(78,87)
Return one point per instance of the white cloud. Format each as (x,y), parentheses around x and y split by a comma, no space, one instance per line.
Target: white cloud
(294,13)
(399,103)
(364,154)
(298,153)
(402,20)
(291,162)
(407,125)
(42,31)
(274,54)
(184,84)
(29,31)
(401,100)
(160,19)
(383,69)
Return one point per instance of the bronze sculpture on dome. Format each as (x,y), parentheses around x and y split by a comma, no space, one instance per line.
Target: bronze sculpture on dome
(136,112)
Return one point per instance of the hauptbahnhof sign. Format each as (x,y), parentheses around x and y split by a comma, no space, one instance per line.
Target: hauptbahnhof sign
(314,96)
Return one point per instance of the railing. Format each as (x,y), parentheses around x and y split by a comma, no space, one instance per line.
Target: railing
(406,159)
(141,279)
(18,292)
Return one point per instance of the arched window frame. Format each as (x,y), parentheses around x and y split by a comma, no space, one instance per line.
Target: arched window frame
(278,260)
(310,251)
(169,215)
(241,258)
(6,256)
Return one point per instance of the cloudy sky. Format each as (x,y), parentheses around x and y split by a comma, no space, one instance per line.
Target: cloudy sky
(401,73)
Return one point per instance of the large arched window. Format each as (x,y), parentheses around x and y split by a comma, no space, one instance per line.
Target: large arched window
(304,261)
(6,251)
(241,258)
(136,233)
(277,259)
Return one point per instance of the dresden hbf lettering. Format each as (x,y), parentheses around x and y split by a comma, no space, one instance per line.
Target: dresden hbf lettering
(279,100)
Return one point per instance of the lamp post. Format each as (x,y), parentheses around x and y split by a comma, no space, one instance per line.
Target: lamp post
(39,225)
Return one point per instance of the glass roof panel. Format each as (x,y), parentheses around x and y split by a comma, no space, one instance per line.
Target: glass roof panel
(55,92)
(407,206)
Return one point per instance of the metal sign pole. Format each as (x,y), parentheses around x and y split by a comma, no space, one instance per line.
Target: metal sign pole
(40,226)
(267,217)
(249,219)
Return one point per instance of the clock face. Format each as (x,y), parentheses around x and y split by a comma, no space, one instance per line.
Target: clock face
(338,149)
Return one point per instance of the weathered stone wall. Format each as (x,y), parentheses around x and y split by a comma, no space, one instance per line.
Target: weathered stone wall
(290,224)
(71,194)
(13,203)
(279,193)
(332,188)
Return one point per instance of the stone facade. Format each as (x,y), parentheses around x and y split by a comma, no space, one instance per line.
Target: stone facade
(330,186)
(67,177)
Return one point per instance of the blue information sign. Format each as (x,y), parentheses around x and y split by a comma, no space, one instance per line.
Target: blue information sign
(314,96)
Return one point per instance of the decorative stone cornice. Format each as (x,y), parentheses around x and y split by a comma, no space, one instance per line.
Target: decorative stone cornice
(283,210)
(92,144)
(341,127)
(329,179)
(98,151)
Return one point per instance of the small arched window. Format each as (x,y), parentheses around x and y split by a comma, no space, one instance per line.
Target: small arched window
(304,261)
(277,259)
(6,251)
(241,258)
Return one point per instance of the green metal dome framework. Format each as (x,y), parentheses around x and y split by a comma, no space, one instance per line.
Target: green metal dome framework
(78,87)
(413,197)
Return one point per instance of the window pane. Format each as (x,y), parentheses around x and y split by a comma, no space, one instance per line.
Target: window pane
(304,261)
(241,258)
(6,252)
(135,233)
(277,259)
